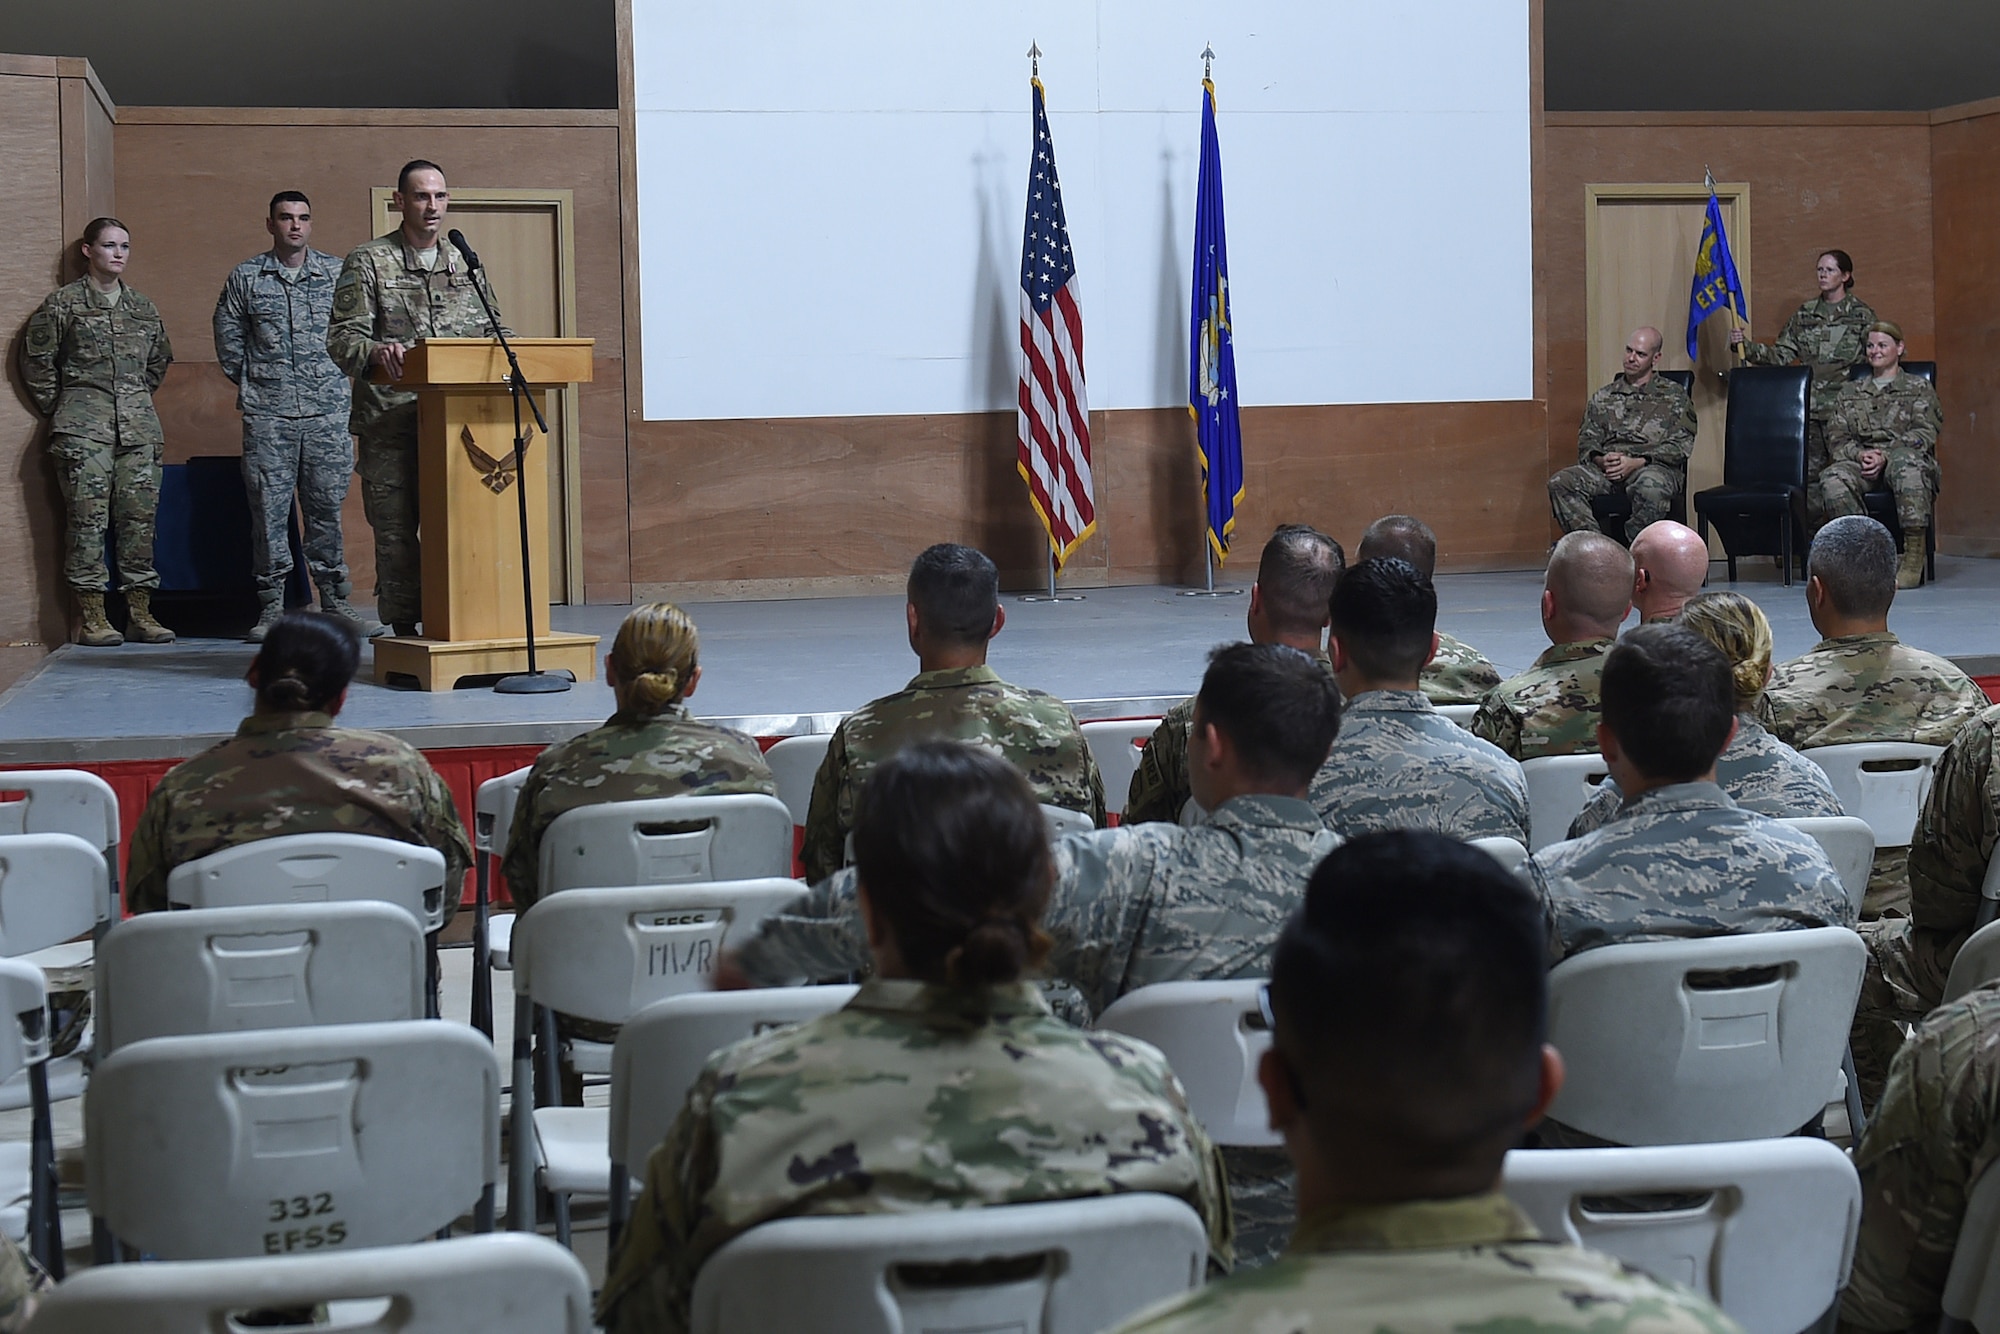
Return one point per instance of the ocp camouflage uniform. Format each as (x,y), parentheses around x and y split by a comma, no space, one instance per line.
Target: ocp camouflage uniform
(270,340)
(1458,674)
(1902,419)
(1654,421)
(1550,709)
(385,296)
(630,758)
(1871,687)
(1954,842)
(1826,336)
(293,773)
(22,1284)
(1034,732)
(1400,764)
(91,364)
(1756,771)
(910,1098)
(1461,1266)
(1937,1129)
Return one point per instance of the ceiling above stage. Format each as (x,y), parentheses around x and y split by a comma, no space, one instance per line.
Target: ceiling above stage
(1769,55)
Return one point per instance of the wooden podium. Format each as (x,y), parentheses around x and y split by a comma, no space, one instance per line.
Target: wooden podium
(470,517)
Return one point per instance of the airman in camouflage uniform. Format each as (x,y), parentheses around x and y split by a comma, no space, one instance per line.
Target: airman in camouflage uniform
(1641,415)
(293,773)
(1825,335)
(1929,1141)
(630,758)
(1036,732)
(22,1283)
(1909,958)
(1159,789)
(1901,418)
(270,340)
(1400,764)
(1550,709)
(392,293)
(1756,771)
(912,1097)
(1458,673)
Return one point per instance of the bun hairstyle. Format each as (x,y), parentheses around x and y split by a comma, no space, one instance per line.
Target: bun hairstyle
(950,843)
(97,227)
(308,658)
(654,655)
(1737,626)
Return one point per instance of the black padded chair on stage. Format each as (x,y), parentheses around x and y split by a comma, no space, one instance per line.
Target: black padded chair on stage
(1615,510)
(1881,505)
(1760,508)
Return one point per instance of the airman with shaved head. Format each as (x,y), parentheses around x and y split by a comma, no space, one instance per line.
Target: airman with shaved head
(1671,565)
(1635,438)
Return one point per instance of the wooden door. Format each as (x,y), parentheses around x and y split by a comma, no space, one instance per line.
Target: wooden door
(1639,250)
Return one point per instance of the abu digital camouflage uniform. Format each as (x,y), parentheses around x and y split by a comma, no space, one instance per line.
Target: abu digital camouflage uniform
(1550,709)
(1909,957)
(1400,764)
(1654,421)
(293,773)
(671,754)
(911,1097)
(1937,1129)
(385,296)
(1756,770)
(1902,419)
(1034,732)
(1871,687)
(1826,336)
(270,340)
(92,365)
(1472,1265)
(1457,673)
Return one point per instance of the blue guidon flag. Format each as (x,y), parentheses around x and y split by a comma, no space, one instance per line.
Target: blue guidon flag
(1212,350)
(1716,286)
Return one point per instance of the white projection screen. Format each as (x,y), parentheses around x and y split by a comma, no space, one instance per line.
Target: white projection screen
(831,199)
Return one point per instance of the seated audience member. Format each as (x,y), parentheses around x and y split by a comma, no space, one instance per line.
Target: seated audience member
(1295,575)
(289,770)
(1928,1142)
(1408,1006)
(1634,441)
(1682,859)
(1457,674)
(651,747)
(1551,709)
(1670,564)
(1756,771)
(954,611)
(1909,958)
(1860,682)
(945,1083)
(1883,437)
(1399,763)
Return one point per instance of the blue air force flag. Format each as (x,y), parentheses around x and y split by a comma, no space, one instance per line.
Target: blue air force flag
(1716,285)
(1211,347)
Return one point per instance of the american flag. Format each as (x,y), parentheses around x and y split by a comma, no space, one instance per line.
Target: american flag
(1055,414)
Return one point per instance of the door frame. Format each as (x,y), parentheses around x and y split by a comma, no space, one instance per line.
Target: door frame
(1734,196)
(570,467)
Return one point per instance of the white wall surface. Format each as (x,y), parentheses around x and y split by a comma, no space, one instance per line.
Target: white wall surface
(831,199)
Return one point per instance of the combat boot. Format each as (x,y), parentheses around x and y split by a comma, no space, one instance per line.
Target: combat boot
(1910,574)
(139,619)
(333,601)
(97,631)
(270,606)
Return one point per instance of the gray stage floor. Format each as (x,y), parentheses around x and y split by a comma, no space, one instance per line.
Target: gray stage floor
(780,668)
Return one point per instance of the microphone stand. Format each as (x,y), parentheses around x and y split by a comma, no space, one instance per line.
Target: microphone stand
(534,681)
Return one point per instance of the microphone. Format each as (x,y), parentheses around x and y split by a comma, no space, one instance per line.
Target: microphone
(459,243)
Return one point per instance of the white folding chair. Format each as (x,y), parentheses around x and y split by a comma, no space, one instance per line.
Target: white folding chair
(1971,1299)
(743,836)
(66,801)
(288,965)
(28,1171)
(603,955)
(282,1141)
(492,822)
(1458,713)
(52,888)
(1882,782)
(1513,858)
(1061,820)
(502,1283)
(1976,963)
(1770,1244)
(795,762)
(1116,744)
(1559,787)
(1989,892)
(663,1047)
(1081,1266)
(1849,843)
(1697,1041)
(1212,1034)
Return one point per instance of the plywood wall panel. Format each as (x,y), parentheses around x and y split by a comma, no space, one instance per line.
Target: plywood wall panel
(1965,172)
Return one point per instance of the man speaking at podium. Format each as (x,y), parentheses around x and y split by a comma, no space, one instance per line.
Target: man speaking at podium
(395,291)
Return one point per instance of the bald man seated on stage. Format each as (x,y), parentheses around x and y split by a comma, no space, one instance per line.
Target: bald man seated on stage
(1671,565)
(1635,439)
(1458,673)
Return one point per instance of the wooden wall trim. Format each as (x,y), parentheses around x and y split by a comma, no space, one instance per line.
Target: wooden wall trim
(30,67)
(418,117)
(1644,120)
(59,67)
(1986,106)
(628,210)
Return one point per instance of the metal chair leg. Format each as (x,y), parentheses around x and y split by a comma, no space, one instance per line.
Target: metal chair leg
(562,1218)
(621,1183)
(482,975)
(521,1122)
(44,1213)
(482,1213)
(433,976)
(103,1247)
(1856,1120)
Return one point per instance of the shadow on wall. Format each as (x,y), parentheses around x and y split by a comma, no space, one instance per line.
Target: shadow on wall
(43,511)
